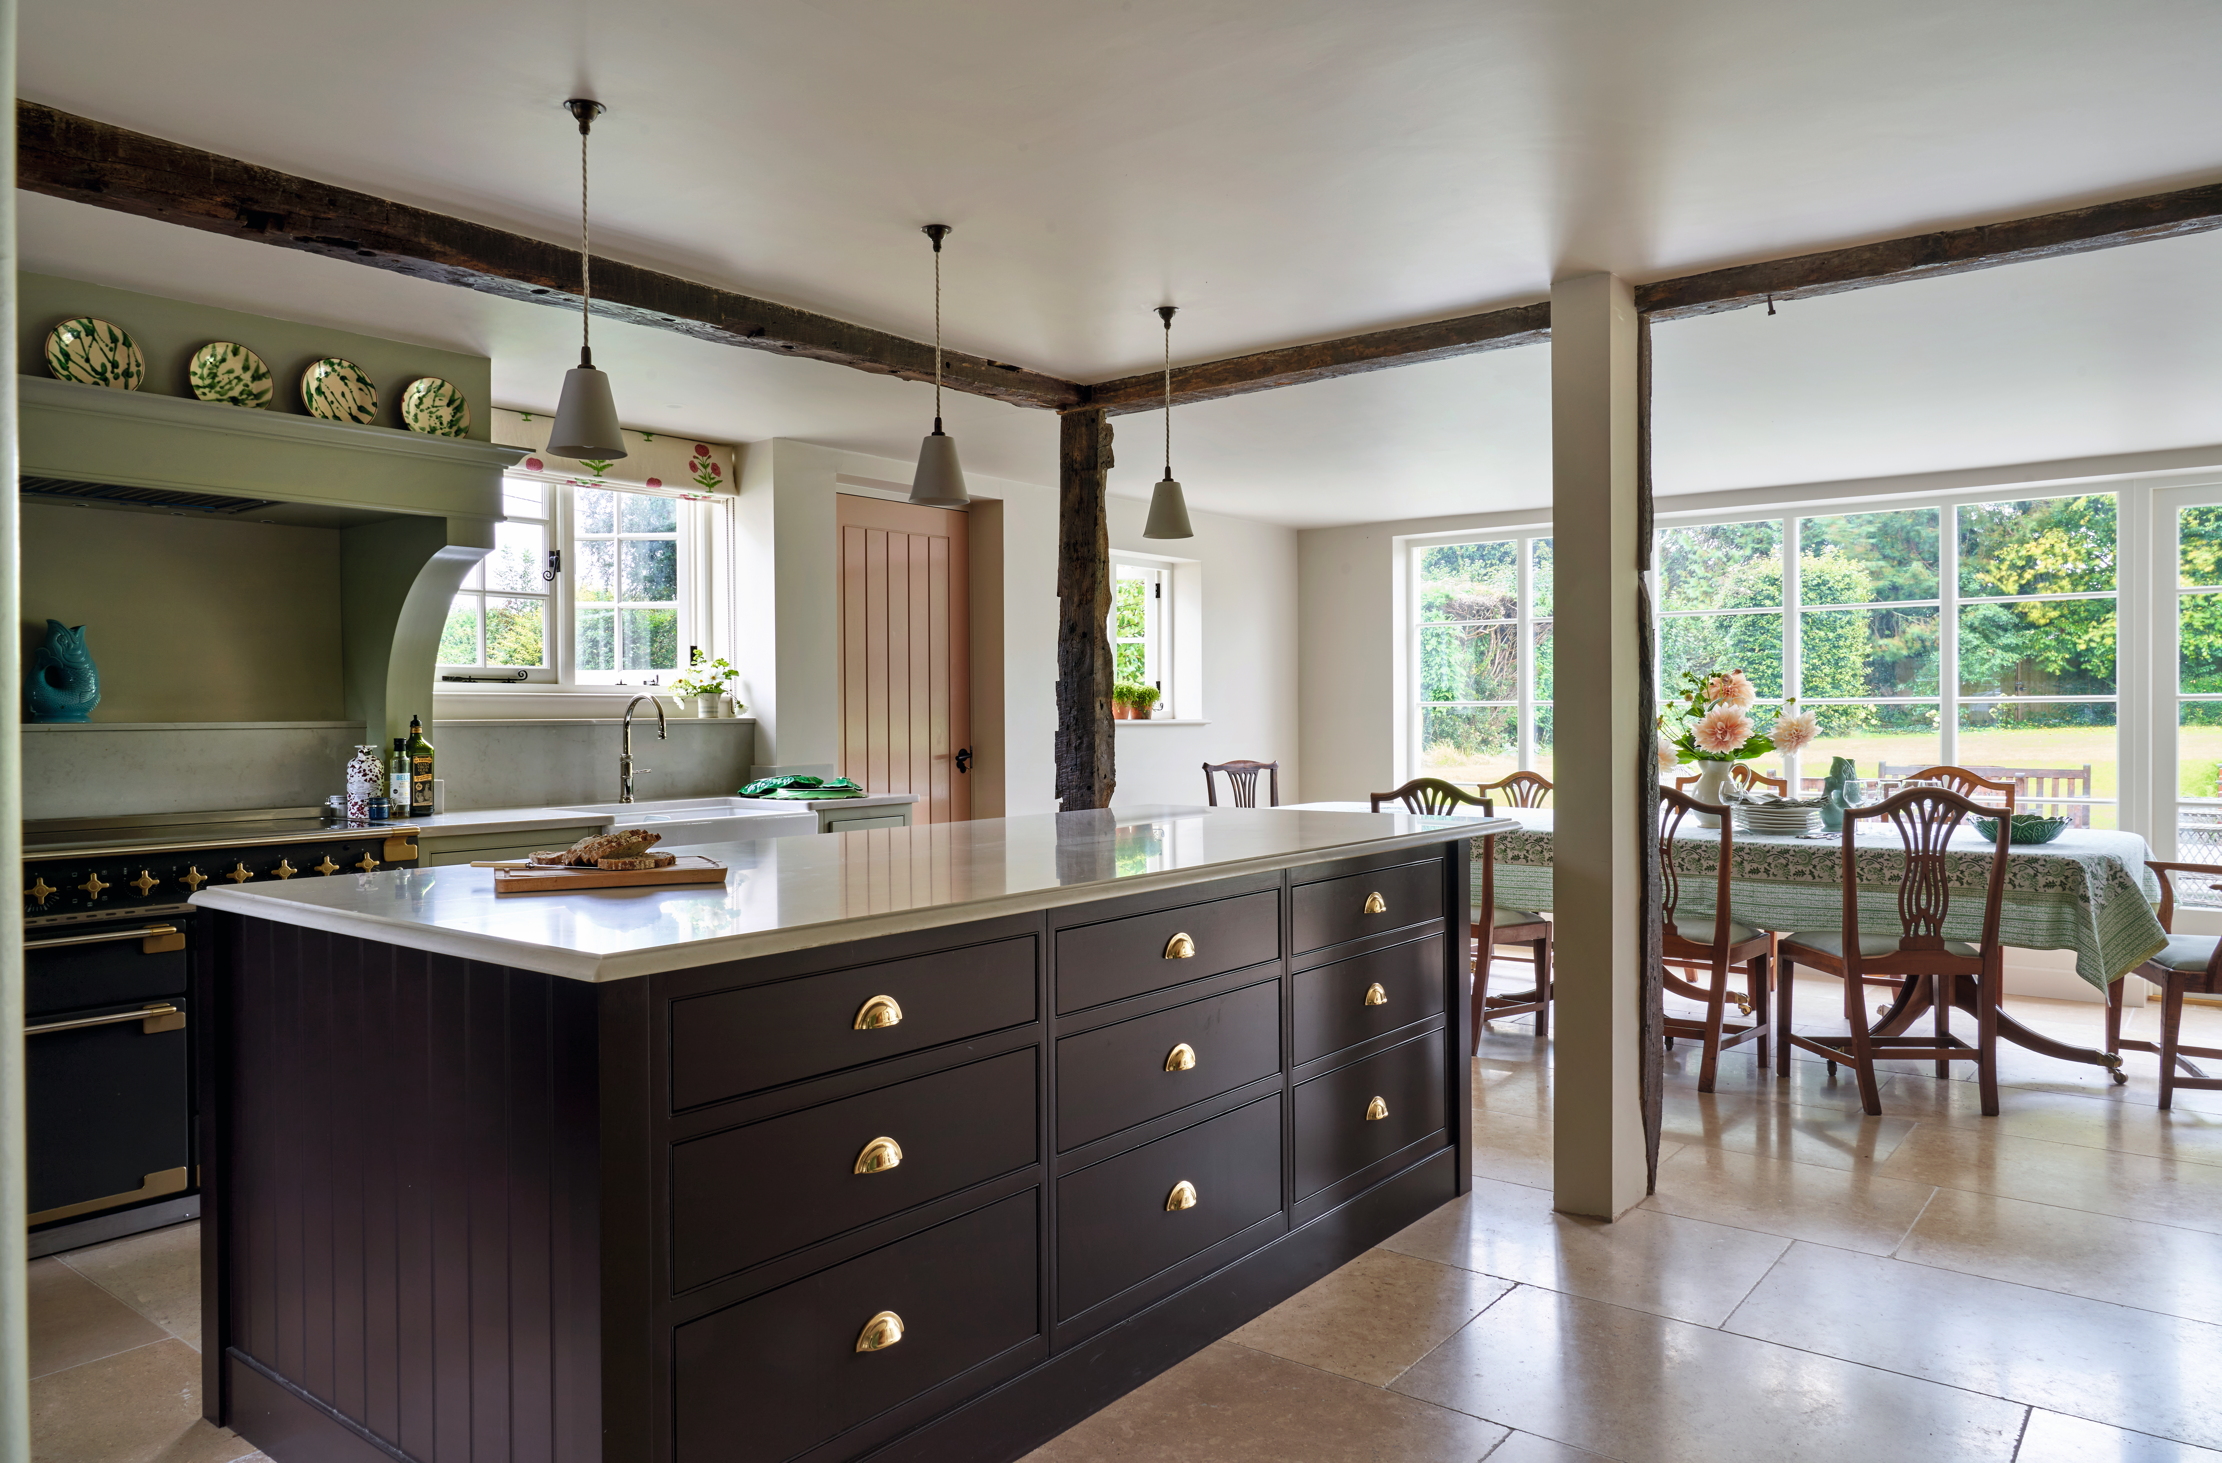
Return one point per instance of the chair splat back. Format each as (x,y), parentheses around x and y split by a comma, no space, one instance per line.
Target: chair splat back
(1925,818)
(1428,795)
(1242,782)
(1675,809)
(1517,790)
(1968,784)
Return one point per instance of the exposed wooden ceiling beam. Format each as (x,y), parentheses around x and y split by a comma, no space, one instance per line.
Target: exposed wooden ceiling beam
(1405,345)
(66,156)
(1926,256)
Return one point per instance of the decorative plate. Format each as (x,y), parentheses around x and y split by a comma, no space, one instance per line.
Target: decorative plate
(230,373)
(96,353)
(435,408)
(338,391)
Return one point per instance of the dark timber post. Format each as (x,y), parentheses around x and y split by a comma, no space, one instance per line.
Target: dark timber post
(1085,771)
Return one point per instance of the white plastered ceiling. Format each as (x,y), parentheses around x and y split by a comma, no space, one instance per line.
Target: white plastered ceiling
(1283,169)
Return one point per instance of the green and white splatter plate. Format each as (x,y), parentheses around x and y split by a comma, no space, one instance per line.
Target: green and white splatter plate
(96,353)
(228,372)
(338,391)
(435,408)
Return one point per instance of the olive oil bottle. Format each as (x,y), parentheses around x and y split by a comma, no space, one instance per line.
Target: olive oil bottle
(420,771)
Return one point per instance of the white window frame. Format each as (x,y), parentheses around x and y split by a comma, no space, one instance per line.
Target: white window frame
(1525,704)
(703,533)
(1156,638)
(481,673)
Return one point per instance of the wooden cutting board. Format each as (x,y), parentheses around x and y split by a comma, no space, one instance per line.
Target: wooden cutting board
(691,869)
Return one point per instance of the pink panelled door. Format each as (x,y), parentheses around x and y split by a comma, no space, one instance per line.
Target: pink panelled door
(905,672)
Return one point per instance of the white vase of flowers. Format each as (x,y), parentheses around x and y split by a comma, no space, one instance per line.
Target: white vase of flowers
(1712,726)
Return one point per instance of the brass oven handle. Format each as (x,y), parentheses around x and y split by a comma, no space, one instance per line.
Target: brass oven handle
(1181,947)
(879,1155)
(158,1016)
(1181,1058)
(881,1332)
(878,1012)
(1376,995)
(1375,904)
(158,939)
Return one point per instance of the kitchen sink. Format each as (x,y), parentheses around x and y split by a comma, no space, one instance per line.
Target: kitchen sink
(704,820)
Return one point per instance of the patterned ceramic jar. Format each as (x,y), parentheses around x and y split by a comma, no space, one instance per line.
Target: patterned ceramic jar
(366,777)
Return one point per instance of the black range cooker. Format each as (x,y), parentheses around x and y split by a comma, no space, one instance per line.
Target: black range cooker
(109,995)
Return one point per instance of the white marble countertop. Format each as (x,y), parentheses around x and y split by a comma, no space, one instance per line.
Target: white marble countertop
(796,893)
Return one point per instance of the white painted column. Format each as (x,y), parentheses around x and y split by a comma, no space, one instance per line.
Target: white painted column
(15,1395)
(1597,888)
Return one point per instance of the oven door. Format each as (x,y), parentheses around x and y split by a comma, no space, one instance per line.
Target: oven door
(107,1068)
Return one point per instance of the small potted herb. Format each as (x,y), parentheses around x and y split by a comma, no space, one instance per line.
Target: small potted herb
(707,684)
(1134,700)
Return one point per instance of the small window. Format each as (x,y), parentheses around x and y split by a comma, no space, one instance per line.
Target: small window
(499,620)
(1141,618)
(626,583)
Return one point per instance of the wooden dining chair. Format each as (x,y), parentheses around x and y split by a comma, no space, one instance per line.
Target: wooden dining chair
(1925,819)
(1697,942)
(1492,927)
(2189,965)
(1743,775)
(1242,782)
(1515,790)
(1429,795)
(1967,784)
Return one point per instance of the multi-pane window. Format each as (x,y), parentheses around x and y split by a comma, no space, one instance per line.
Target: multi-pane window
(1481,658)
(609,606)
(1140,648)
(1981,635)
(2199,693)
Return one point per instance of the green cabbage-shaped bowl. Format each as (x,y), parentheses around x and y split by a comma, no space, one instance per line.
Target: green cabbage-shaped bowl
(2027,828)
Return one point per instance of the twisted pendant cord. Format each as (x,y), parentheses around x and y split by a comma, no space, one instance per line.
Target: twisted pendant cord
(937,335)
(586,258)
(1168,399)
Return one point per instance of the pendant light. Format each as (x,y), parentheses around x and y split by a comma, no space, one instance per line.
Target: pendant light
(1168,508)
(939,481)
(586,416)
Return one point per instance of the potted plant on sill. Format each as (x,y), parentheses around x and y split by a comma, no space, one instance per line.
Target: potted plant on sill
(1134,700)
(706,684)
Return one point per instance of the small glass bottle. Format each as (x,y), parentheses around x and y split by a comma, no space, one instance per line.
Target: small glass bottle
(397,779)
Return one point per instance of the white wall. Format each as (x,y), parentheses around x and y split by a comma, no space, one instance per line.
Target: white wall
(1247,576)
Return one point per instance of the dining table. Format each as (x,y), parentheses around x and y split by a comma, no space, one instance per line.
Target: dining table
(2087,891)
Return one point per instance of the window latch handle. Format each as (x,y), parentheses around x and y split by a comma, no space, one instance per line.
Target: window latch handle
(964,759)
(555,565)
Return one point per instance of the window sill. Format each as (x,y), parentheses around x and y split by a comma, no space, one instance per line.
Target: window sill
(1166,721)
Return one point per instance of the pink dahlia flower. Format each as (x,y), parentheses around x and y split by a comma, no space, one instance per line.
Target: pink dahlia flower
(1733,691)
(1722,730)
(1792,732)
(1669,755)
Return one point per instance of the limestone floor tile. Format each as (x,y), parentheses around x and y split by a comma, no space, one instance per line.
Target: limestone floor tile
(1515,1147)
(1528,1448)
(141,1406)
(74,1321)
(2074,1177)
(1373,1317)
(1741,1076)
(1646,1389)
(2051,1438)
(1228,1404)
(2156,1267)
(157,1274)
(1685,1268)
(1830,1137)
(1830,1206)
(2106,1363)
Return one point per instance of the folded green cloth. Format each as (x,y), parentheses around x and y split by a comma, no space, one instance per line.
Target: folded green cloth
(802,786)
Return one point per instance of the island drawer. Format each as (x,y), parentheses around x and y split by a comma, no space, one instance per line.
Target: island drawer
(1120,1075)
(734,1042)
(1145,952)
(1336,1133)
(1114,1224)
(764,1380)
(1334,910)
(749,1194)
(1339,1005)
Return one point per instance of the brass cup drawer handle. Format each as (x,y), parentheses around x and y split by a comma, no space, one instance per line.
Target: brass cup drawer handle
(878,1013)
(1376,995)
(1181,947)
(1375,904)
(157,1016)
(1181,1058)
(1376,1110)
(1182,1197)
(879,1155)
(881,1332)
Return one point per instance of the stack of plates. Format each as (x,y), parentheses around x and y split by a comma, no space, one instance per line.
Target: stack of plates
(1778,817)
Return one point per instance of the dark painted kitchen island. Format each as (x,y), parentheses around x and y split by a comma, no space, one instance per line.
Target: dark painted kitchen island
(915,1143)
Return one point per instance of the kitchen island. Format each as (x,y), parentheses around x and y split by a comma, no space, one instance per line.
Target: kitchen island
(910,1143)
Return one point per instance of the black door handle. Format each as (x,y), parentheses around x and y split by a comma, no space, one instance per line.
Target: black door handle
(964,759)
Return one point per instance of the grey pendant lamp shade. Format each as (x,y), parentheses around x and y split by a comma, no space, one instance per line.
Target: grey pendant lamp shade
(1168,506)
(939,480)
(586,415)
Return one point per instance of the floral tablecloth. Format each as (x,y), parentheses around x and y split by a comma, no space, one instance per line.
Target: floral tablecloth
(2087,891)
